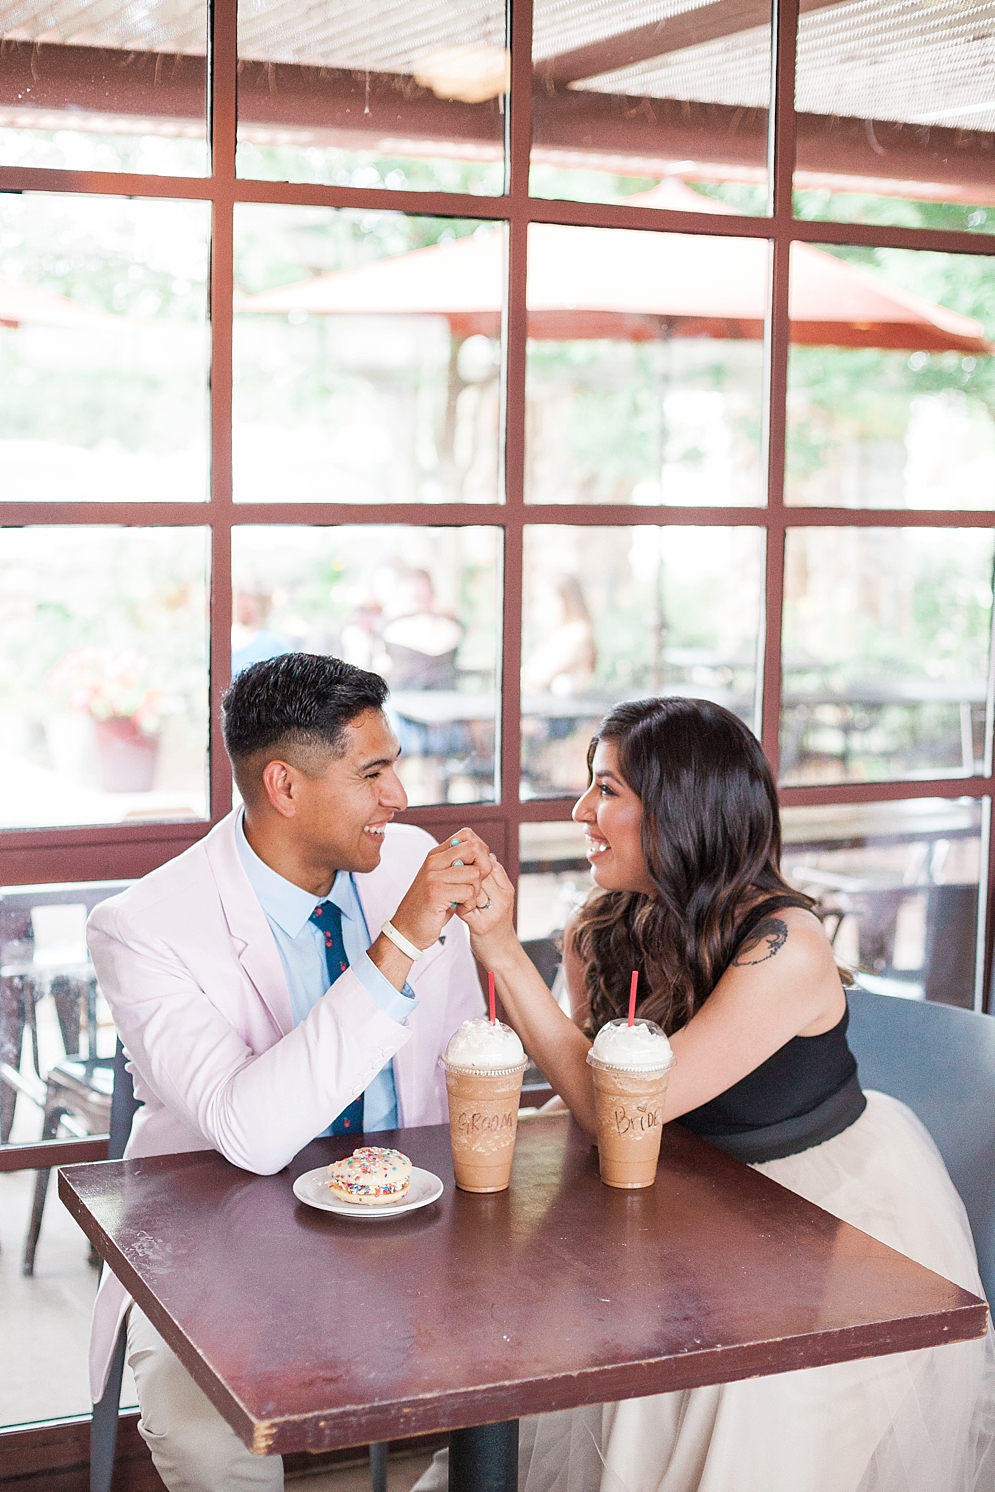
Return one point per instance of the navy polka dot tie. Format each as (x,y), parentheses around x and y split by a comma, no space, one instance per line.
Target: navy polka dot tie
(327,918)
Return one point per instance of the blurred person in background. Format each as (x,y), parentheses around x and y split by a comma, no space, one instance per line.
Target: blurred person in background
(421,638)
(359,642)
(564,662)
(251,641)
(420,641)
(561,665)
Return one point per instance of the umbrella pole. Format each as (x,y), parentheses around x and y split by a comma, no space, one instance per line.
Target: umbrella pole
(451,476)
(659,632)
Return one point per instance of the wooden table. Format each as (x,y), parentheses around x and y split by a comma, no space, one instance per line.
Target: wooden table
(310,1331)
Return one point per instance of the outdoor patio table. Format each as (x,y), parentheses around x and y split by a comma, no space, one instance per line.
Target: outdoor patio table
(311,1331)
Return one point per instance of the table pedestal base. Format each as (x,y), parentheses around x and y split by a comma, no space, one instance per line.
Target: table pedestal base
(484,1458)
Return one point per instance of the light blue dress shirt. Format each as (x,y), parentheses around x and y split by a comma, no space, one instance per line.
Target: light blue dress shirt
(301,946)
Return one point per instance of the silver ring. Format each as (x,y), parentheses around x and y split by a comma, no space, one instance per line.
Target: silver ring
(457,862)
(487,906)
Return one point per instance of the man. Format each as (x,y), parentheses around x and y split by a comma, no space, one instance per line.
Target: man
(258,999)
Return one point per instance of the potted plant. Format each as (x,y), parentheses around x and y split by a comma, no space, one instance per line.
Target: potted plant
(112,687)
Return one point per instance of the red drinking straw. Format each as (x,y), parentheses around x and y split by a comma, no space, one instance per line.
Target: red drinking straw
(632,997)
(490,996)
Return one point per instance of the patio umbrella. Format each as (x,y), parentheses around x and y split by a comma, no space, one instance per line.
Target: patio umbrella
(29,305)
(634,285)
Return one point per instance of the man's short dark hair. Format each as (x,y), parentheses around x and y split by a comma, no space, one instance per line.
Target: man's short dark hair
(300,700)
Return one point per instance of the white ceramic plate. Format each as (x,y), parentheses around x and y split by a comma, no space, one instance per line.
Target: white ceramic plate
(313,1189)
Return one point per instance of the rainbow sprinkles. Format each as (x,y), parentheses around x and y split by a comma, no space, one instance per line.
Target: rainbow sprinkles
(372,1174)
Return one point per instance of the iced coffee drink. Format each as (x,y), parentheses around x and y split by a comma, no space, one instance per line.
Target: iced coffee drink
(484,1064)
(631,1065)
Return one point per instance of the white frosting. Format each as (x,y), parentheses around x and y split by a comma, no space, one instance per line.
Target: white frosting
(639,1046)
(479,1044)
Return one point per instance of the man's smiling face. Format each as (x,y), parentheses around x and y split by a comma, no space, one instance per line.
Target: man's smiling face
(346,802)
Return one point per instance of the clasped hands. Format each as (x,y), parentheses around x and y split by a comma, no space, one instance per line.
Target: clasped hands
(460,877)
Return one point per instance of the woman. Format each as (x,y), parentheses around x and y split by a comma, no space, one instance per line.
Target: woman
(684,845)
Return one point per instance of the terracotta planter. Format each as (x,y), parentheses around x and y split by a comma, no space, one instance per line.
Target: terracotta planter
(126,756)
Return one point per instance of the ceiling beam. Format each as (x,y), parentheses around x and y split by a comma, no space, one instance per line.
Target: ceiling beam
(359,103)
(356,110)
(100,80)
(655,130)
(644,43)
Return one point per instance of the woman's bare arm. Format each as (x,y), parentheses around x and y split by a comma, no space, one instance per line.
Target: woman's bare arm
(550,1037)
(782,983)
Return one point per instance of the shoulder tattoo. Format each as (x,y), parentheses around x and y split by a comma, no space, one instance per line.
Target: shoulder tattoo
(766,939)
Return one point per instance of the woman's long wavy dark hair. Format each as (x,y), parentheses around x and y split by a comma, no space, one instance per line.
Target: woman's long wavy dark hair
(711,835)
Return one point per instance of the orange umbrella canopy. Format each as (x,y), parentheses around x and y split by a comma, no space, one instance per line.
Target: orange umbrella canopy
(29,305)
(634,285)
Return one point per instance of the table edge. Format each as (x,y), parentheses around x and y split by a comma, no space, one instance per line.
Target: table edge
(361,1424)
(227,1404)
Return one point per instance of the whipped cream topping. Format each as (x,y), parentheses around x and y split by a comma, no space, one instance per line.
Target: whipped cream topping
(641,1046)
(479,1044)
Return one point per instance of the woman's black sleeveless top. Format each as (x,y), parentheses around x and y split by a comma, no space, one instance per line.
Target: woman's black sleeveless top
(806,1093)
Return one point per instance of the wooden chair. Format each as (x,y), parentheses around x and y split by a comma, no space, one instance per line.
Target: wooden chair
(941,1062)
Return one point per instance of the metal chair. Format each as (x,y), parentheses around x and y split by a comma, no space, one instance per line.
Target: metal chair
(546,955)
(103,1425)
(82,1089)
(941,1062)
(18,993)
(31,966)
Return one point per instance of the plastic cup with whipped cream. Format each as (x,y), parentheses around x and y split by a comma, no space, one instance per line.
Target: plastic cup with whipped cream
(484,1064)
(631,1067)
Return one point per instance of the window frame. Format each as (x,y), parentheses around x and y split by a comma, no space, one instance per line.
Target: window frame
(116,852)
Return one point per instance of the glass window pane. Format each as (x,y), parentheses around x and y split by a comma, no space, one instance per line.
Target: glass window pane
(52,1019)
(898,885)
(103,682)
(885,654)
(111,88)
(103,349)
(890,379)
(373,93)
(627,93)
(897,113)
(645,367)
(623,613)
(554,878)
(420,606)
(366,357)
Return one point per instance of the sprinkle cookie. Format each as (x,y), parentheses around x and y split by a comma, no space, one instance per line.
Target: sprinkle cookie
(370,1175)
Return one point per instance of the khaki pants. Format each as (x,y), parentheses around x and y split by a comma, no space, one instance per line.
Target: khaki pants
(193,1448)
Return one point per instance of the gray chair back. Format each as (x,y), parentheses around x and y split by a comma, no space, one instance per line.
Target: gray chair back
(940,1061)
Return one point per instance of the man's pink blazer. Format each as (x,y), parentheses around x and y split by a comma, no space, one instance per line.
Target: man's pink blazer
(190,969)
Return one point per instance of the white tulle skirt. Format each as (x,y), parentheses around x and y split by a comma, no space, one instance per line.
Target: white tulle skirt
(914,1422)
